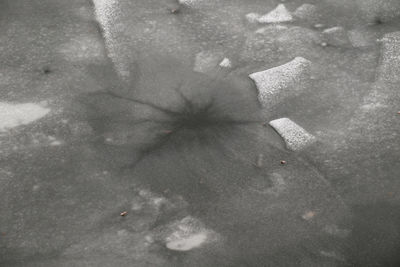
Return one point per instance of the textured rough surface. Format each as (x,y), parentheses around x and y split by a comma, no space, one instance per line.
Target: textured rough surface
(295,137)
(390,59)
(277,83)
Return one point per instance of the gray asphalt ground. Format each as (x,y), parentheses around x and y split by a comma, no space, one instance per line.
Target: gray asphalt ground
(152,154)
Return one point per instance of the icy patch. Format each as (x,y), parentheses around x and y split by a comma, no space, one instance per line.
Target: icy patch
(336,36)
(295,137)
(225,63)
(277,83)
(13,115)
(189,233)
(279,14)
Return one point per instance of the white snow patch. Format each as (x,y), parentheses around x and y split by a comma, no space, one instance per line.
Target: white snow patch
(279,14)
(277,83)
(295,137)
(225,63)
(13,115)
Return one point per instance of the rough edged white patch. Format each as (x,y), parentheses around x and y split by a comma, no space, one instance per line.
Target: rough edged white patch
(389,69)
(295,137)
(13,115)
(225,63)
(189,234)
(336,36)
(279,14)
(277,83)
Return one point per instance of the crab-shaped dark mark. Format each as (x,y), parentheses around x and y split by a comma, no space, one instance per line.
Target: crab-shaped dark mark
(191,117)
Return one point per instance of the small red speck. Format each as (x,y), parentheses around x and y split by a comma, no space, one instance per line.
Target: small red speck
(167,131)
(124,213)
(283,162)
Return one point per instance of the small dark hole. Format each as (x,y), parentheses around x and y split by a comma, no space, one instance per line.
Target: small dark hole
(378,21)
(46,70)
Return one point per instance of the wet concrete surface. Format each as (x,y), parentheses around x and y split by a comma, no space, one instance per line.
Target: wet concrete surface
(152,154)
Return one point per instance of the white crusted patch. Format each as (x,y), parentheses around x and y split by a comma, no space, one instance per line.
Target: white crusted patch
(13,115)
(279,14)
(295,137)
(277,83)
(189,233)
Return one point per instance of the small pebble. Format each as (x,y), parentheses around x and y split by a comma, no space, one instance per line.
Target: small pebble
(283,162)
(124,213)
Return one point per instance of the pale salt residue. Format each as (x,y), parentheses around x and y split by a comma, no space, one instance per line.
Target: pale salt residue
(295,137)
(279,14)
(189,234)
(13,115)
(277,83)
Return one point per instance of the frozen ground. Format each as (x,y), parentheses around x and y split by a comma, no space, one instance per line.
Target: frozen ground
(137,133)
